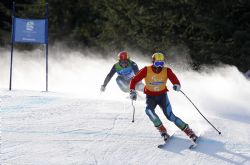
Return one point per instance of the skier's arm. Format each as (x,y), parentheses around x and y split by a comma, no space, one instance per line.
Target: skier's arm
(134,67)
(109,76)
(172,77)
(138,77)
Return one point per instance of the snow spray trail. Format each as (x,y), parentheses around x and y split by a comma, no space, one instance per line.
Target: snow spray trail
(213,89)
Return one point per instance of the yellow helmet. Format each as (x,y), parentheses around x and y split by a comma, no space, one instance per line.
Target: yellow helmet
(158,57)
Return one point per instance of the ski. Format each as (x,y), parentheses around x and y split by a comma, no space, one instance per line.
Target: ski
(165,142)
(194,144)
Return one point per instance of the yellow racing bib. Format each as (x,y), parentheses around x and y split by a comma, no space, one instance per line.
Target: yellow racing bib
(156,82)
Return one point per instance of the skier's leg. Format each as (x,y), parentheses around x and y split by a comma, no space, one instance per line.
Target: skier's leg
(167,109)
(123,84)
(190,133)
(150,111)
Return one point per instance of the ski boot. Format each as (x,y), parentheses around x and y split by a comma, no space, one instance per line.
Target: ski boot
(190,133)
(163,132)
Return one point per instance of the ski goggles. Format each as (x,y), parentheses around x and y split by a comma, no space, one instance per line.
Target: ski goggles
(159,63)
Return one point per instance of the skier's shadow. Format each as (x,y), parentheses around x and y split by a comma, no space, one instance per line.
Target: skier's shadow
(209,147)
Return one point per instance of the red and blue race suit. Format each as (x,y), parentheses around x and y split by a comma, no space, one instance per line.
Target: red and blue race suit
(156,93)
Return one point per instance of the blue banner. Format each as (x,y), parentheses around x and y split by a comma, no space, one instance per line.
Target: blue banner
(30,30)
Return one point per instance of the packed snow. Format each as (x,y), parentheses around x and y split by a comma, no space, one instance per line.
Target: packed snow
(75,124)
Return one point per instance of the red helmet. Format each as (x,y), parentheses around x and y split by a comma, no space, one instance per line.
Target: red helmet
(123,56)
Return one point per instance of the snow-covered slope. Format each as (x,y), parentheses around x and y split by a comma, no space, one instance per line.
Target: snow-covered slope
(74,124)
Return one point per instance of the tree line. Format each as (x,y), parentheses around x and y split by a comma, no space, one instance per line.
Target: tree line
(212,31)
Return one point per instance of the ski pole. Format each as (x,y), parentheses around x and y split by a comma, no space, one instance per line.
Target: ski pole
(133,111)
(201,113)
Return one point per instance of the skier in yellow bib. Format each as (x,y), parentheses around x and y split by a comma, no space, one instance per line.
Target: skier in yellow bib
(156,77)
